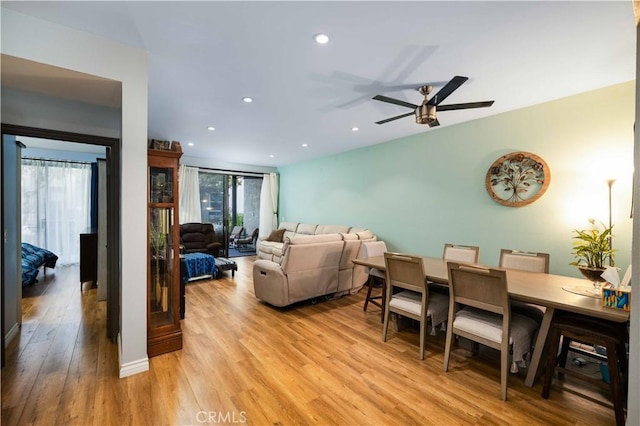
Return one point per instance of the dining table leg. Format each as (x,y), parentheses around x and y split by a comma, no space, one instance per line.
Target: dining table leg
(538,349)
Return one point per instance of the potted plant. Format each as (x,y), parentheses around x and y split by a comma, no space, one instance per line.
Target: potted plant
(592,248)
(158,243)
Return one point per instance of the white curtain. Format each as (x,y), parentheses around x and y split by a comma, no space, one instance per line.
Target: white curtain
(56,206)
(269,204)
(189,195)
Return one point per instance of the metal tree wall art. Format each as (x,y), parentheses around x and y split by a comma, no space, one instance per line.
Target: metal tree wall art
(517,179)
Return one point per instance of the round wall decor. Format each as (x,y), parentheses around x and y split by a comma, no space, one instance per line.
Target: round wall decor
(517,179)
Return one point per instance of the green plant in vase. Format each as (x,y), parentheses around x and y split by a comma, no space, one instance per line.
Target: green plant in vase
(592,249)
(158,244)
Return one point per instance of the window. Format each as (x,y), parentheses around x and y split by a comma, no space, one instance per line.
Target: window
(56,206)
(229,200)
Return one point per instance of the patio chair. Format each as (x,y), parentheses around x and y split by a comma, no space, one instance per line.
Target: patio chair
(248,242)
(234,235)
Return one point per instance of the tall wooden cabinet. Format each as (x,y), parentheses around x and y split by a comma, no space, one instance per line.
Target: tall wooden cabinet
(163,259)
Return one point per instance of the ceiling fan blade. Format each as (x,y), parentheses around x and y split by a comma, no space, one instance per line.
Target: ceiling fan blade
(467,105)
(394,118)
(434,123)
(394,101)
(448,89)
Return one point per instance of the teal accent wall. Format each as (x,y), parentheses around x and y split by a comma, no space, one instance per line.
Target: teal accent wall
(419,192)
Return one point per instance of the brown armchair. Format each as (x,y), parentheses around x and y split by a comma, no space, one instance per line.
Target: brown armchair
(199,238)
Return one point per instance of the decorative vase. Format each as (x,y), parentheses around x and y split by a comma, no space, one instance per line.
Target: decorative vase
(158,290)
(593,275)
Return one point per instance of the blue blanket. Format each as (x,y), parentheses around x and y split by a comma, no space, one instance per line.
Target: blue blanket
(199,265)
(32,259)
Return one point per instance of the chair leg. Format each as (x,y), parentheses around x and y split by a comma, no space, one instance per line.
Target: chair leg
(386,324)
(447,347)
(366,300)
(504,371)
(423,332)
(384,303)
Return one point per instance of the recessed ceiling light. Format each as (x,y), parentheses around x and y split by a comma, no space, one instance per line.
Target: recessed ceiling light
(247,99)
(355,129)
(211,128)
(304,145)
(321,38)
(190,143)
(271,155)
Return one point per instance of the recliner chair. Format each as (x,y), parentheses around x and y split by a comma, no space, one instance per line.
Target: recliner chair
(199,238)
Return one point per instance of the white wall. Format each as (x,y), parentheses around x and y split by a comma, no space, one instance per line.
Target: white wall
(37,110)
(633,410)
(12,310)
(41,41)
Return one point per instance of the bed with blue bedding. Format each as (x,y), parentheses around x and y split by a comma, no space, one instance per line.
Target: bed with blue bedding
(32,259)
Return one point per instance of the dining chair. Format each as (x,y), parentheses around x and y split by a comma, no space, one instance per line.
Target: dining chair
(455,253)
(479,310)
(377,278)
(524,260)
(458,253)
(408,295)
(461,253)
(530,262)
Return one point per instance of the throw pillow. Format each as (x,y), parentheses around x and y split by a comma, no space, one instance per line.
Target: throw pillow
(276,236)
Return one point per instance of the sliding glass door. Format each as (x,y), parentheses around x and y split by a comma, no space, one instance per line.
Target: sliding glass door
(230,200)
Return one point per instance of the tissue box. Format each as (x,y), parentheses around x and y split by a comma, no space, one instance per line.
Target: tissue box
(618,298)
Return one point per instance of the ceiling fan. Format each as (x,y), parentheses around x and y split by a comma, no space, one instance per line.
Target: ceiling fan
(426,112)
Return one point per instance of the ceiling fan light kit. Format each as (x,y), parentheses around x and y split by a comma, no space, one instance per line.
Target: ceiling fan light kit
(426,113)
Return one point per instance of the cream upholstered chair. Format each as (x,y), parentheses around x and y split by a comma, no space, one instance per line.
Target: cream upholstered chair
(408,295)
(458,253)
(377,278)
(530,262)
(461,253)
(524,260)
(479,310)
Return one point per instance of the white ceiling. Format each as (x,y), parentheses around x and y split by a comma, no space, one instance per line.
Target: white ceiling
(205,56)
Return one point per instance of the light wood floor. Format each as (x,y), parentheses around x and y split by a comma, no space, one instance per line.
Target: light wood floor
(244,361)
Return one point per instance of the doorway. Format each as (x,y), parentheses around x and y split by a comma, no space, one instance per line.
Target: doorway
(230,200)
(113,173)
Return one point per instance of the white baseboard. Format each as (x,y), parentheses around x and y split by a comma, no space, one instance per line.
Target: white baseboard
(11,334)
(133,367)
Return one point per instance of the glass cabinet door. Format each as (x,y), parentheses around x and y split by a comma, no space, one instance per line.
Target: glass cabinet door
(161,181)
(162,265)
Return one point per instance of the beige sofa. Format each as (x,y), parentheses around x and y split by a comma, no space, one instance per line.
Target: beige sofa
(311,261)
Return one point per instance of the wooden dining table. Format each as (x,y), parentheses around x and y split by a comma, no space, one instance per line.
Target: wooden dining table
(541,289)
